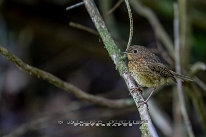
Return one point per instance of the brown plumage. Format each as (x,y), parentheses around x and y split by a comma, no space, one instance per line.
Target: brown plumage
(147,69)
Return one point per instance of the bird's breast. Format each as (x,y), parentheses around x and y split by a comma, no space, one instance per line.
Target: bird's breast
(144,76)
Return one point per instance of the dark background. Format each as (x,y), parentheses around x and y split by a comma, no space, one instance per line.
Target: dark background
(37,31)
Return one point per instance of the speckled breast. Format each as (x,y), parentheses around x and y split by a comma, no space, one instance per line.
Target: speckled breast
(144,76)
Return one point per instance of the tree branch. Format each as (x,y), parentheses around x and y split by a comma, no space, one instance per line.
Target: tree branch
(153,20)
(114,7)
(75,5)
(82,27)
(198,66)
(131,23)
(119,103)
(160,119)
(147,129)
(183,32)
(178,70)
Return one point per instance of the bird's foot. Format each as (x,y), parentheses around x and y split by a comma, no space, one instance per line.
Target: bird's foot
(144,102)
(137,89)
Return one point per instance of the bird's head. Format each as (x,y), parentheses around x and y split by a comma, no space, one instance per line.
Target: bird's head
(135,51)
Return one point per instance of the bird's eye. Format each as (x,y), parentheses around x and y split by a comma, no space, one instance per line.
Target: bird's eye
(135,51)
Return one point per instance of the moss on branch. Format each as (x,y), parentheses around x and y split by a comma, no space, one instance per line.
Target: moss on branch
(115,54)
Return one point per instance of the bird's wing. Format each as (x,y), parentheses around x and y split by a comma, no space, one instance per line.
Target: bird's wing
(160,69)
(151,57)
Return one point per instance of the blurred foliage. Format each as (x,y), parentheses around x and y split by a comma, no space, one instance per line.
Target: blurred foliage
(37,31)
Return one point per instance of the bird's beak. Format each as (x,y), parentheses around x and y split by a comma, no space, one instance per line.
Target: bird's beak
(124,52)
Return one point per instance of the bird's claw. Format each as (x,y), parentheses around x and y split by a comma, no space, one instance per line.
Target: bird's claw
(137,89)
(143,103)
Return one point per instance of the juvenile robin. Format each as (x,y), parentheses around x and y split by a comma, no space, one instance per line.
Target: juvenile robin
(147,70)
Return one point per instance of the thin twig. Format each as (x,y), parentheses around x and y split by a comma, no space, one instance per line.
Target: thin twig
(131,23)
(119,103)
(176,100)
(198,66)
(92,31)
(114,7)
(178,70)
(176,38)
(147,128)
(160,119)
(75,5)
(153,20)
(199,105)
(200,83)
(82,27)
(183,33)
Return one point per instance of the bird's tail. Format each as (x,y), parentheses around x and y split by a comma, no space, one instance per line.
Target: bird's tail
(182,77)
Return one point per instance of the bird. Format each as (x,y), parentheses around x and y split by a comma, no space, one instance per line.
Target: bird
(147,69)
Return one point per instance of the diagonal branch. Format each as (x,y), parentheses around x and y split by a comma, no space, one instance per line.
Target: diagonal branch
(147,127)
(82,27)
(114,7)
(120,103)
